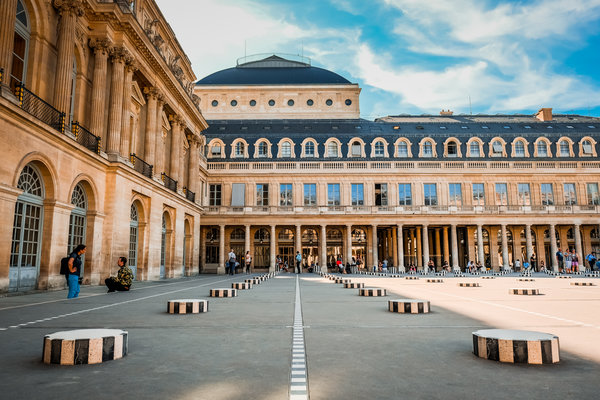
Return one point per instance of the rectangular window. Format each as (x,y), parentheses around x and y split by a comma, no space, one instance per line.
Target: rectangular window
(214,195)
(547,194)
(333,194)
(310,194)
(381,194)
(478,194)
(524,194)
(430,194)
(262,194)
(592,194)
(404,194)
(358,194)
(455,194)
(570,195)
(285,195)
(238,191)
(501,194)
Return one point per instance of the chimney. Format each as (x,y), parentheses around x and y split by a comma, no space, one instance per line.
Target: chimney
(544,114)
(446,112)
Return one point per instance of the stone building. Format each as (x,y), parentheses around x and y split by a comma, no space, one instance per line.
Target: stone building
(101,141)
(292,167)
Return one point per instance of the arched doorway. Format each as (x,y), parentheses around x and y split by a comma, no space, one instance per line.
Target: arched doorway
(262,248)
(77,222)
(187,243)
(163,248)
(212,246)
(359,246)
(310,247)
(285,248)
(334,246)
(27,228)
(237,242)
(133,239)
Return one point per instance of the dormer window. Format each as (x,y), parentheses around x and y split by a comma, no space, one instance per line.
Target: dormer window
(309,149)
(215,151)
(427,150)
(263,150)
(586,146)
(356,149)
(379,149)
(519,149)
(474,149)
(286,150)
(239,150)
(402,149)
(452,149)
(542,149)
(497,148)
(332,149)
(564,149)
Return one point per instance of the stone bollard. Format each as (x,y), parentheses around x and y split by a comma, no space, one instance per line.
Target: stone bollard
(371,292)
(409,306)
(187,306)
(223,292)
(582,284)
(525,292)
(354,285)
(84,346)
(411,277)
(516,346)
(435,280)
(241,285)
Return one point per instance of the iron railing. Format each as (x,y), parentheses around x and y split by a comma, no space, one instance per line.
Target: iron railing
(40,109)
(191,196)
(169,182)
(86,138)
(141,166)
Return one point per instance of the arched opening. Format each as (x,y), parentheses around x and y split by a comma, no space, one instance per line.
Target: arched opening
(542,149)
(487,261)
(187,249)
(309,149)
(402,149)
(163,247)
(310,247)
(475,150)
(379,149)
(427,150)
(77,223)
(27,229)
(286,150)
(452,149)
(285,246)
(334,246)
(356,149)
(240,150)
(262,248)
(212,246)
(134,225)
(359,247)
(237,242)
(20,51)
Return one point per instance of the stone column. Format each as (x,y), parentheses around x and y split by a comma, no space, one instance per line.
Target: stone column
(69,10)
(115,110)
(553,248)
(528,243)
(401,267)
(480,252)
(130,68)
(578,247)
(247,244)
(438,245)
(297,241)
(323,252)
(412,247)
(202,249)
(446,246)
(348,257)
(272,250)
(150,137)
(454,238)
(8,12)
(221,267)
(419,259)
(193,164)
(159,141)
(395,247)
(98,106)
(374,246)
(504,247)
(425,237)
(176,130)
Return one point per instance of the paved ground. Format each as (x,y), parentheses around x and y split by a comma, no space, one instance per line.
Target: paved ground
(355,348)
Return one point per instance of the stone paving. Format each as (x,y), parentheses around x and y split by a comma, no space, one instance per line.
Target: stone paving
(354,347)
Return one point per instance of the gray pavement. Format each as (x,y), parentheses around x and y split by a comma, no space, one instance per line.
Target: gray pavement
(355,348)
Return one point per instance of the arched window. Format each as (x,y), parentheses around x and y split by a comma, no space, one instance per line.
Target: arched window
(237,234)
(586,147)
(542,149)
(427,150)
(286,150)
(240,150)
(332,149)
(216,150)
(379,149)
(18,71)
(27,231)
(262,235)
(334,235)
(402,149)
(286,235)
(359,235)
(309,149)
(564,148)
(77,221)
(133,238)
(310,236)
(519,149)
(263,150)
(497,148)
(163,247)
(356,149)
(474,149)
(452,149)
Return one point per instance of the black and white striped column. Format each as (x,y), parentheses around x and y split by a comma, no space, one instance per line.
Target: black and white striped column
(516,346)
(187,306)
(298,375)
(84,346)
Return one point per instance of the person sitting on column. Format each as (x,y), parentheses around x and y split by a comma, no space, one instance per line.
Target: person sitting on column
(122,282)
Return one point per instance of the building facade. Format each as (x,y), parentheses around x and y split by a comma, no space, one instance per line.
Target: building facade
(306,174)
(101,141)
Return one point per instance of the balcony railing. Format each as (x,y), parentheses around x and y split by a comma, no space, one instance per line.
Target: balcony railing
(86,138)
(408,210)
(169,182)
(141,166)
(191,196)
(40,109)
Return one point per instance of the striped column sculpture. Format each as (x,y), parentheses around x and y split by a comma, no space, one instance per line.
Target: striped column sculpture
(187,306)
(223,292)
(371,292)
(84,346)
(469,284)
(409,306)
(524,291)
(354,285)
(411,277)
(241,285)
(516,346)
(582,284)
(435,281)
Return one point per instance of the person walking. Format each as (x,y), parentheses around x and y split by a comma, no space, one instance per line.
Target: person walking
(298,262)
(591,259)
(232,260)
(248,261)
(75,270)
(122,282)
(559,259)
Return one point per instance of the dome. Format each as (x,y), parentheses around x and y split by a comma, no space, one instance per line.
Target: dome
(274,70)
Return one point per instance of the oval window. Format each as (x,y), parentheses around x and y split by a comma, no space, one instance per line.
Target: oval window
(290,102)
(271,102)
(329,102)
(215,103)
(252,103)
(309,102)
(233,103)
(348,102)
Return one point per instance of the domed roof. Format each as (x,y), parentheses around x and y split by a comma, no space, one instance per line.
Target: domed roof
(273,70)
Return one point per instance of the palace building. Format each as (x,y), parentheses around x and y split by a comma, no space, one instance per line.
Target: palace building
(108,139)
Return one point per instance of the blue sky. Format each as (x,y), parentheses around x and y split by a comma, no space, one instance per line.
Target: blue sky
(414,56)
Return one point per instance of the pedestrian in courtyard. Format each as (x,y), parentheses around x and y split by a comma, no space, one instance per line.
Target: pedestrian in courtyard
(232,260)
(122,282)
(517,265)
(574,261)
(591,259)
(542,266)
(470,266)
(75,270)
(248,261)
(384,265)
(430,266)
(560,260)
(568,260)
(445,266)
(298,262)
(533,263)
(339,265)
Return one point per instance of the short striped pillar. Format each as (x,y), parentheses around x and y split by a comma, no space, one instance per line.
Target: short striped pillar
(223,292)
(187,306)
(435,281)
(371,292)
(241,285)
(525,292)
(409,306)
(488,277)
(411,277)
(354,285)
(332,277)
(515,346)
(563,277)
(582,284)
(252,281)
(340,280)
(84,346)
(469,284)
(526,280)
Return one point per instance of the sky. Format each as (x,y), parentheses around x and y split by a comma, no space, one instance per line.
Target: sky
(414,56)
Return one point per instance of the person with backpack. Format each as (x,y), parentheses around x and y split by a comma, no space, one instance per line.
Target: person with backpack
(75,270)
(122,282)
(248,261)
(232,261)
(299,262)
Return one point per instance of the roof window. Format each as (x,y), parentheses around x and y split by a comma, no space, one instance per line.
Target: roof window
(527,127)
(506,127)
(464,127)
(485,127)
(591,127)
(442,127)
(420,127)
(569,127)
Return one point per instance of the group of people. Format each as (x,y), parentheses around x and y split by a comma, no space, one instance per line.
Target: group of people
(282,265)
(121,282)
(233,263)
(568,261)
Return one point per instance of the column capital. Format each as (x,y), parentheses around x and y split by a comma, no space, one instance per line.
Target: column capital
(119,54)
(176,119)
(69,6)
(131,65)
(151,92)
(100,45)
